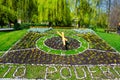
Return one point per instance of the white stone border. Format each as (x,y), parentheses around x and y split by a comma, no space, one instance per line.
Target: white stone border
(2,54)
(22,75)
(106,72)
(18,79)
(67,64)
(46,72)
(7,71)
(62,74)
(116,71)
(62,67)
(103,51)
(85,75)
(91,72)
(22,49)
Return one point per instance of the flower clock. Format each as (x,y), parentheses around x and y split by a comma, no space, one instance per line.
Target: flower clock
(62,44)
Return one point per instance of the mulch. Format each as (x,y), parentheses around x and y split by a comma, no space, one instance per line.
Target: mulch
(56,43)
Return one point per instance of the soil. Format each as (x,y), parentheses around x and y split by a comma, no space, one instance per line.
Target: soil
(56,43)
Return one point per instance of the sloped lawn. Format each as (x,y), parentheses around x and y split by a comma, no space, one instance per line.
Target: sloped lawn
(111,38)
(7,39)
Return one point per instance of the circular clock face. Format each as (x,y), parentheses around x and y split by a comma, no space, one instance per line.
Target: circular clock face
(52,44)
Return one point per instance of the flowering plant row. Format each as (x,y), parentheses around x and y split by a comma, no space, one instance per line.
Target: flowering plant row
(96,42)
(36,56)
(28,41)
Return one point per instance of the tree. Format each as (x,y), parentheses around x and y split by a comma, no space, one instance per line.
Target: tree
(60,12)
(7,15)
(85,12)
(55,11)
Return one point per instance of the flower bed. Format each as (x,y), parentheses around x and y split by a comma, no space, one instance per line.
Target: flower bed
(96,42)
(28,41)
(25,51)
(79,49)
(35,56)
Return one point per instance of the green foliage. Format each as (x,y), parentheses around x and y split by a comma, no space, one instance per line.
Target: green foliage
(84,12)
(34,24)
(102,20)
(17,26)
(28,25)
(6,15)
(55,12)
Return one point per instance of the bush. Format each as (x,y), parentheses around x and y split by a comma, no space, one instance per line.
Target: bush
(93,27)
(27,25)
(17,26)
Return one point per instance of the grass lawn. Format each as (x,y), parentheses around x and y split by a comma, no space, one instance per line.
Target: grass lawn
(7,39)
(111,38)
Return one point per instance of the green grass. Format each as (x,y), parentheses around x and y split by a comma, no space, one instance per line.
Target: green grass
(7,39)
(112,39)
(100,30)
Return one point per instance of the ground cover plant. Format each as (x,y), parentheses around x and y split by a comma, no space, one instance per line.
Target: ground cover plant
(64,64)
(61,72)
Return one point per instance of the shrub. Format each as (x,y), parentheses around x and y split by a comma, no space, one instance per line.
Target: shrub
(17,26)
(27,25)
